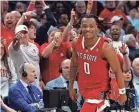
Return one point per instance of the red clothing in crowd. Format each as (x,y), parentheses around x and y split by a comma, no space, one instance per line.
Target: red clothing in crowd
(50,69)
(7,35)
(109,14)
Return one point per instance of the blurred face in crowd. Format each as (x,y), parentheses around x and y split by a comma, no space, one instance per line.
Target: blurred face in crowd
(30,69)
(135,66)
(32,32)
(127,76)
(63,19)
(2,49)
(80,7)
(5,5)
(59,7)
(132,41)
(89,27)
(23,37)
(9,21)
(66,68)
(39,8)
(132,2)
(20,7)
(132,13)
(17,15)
(115,32)
(110,4)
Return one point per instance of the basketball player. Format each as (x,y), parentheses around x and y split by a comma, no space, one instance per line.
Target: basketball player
(90,56)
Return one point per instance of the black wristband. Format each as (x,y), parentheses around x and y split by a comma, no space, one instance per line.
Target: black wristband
(125,53)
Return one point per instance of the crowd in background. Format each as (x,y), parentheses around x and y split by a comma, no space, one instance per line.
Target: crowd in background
(49,28)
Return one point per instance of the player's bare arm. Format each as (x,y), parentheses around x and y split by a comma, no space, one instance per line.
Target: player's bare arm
(73,71)
(109,54)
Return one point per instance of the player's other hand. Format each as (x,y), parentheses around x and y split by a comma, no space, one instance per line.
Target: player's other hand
(73,94)
(122,99)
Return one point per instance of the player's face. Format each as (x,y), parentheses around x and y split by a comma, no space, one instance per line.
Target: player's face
(89,27)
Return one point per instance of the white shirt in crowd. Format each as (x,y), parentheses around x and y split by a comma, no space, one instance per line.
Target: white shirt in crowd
(7,78)
(26,53)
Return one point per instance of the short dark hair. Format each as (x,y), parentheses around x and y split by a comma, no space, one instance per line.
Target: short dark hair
(92,16)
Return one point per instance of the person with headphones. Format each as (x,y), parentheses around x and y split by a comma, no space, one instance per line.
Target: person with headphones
(63,80)
(24,95)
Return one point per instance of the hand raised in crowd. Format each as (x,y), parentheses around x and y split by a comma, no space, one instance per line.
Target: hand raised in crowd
(123,48)
(89,6)
(72,17)
(56,37)
(30,13)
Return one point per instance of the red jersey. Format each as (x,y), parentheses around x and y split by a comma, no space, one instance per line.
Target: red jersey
(93,72)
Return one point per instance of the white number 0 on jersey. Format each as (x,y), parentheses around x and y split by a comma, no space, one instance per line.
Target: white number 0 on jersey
(86,68)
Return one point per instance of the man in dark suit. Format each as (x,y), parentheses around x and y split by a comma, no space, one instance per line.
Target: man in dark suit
(23,95)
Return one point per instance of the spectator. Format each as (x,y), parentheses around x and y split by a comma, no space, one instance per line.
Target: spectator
(7,72)
(80,9)
(20,7)
(23,95)
(7,31)
(17,15)
(32,33)
(63,79)
(132,17)
(115,35)
(110,10)
(116,20)
(135,66)
(4,9)
(60,7)
(63,19)
(21,50)
(130,91)
(55,51)
(132,45)
(41,34)
(39,9)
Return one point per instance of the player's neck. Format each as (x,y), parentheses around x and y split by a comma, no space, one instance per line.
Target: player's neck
(90,42)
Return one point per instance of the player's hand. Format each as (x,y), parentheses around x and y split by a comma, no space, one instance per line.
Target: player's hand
(72,17)
(122,99)
(42,85)
(73,94)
